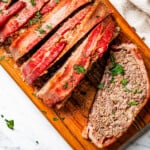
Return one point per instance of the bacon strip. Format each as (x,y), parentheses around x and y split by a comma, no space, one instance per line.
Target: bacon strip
(4,5)
(72,31)
(48,7)
(61,85)
(7,14)
(25,42)
(21,19)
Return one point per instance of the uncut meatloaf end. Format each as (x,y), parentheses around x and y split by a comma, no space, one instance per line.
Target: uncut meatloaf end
(121,97)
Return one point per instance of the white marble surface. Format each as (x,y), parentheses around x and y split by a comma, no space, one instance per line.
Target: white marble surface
(30,125)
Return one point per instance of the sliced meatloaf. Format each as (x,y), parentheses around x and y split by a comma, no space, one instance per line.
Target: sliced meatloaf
(122,93)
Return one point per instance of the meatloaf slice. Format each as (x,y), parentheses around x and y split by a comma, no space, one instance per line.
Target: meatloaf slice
(123,93)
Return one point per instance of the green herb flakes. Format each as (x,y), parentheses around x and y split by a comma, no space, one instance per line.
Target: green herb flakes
(2,58)
(137,91)
(37,142)
(79,69)
(32,2)
(100,86)
(124,82)
(49,27)
(55,119)
(10,123)
(65,86)
(5,1)
(43,111)
(116,68)
(38,14)
(57,1)
(2,116)
(133,103)
(41,31)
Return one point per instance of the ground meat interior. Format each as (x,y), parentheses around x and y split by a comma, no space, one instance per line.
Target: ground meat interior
(117,102)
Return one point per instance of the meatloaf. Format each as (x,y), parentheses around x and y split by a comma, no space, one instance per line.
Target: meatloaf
(122,93)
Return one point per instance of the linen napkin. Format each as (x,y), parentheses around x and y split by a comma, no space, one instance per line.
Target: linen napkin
(137,14)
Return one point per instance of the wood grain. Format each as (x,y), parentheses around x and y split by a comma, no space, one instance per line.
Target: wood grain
(73,117)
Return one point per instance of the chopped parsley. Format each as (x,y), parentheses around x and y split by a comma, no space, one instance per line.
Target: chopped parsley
(100,86)
(2,116)
(32,2)
(10,123)
(116,68)
(43,111)
(41,31)
(79,69)
(97,16)
(133,103)
(137,91)
(2,58)
(55,119)
(65,86)
(34,94)
(38,15)
(124,82)
(33,21)
(37,142)
(49,27)
(57,1)
(1,11)
(5,1)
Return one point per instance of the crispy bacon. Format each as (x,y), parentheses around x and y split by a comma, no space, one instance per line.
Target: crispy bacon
(7,14)
(25,42)
(22,18)
(48,7)
(72,31)
(61,85)
(4,5)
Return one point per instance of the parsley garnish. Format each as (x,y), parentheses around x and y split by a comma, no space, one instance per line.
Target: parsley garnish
(2,58)
(65,86)
(101,86)
(137,91)
(57,1)
(133,103)
(124,82)
(32,2)
(49,27)
(43,111)
(55,119)
(37,142)
(116,68)
(10,123)
(38,15)
(41,31)
(79,69)
(2,116)
(5,1)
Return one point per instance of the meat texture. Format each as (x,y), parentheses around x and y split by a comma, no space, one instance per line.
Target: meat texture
(25,42)
(124,92)
(21,18)
(61,85)
(66,37)
(13,10)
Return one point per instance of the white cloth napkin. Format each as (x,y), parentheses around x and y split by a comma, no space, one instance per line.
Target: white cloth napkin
(137,14)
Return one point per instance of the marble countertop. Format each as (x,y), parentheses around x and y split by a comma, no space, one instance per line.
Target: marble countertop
(31,129)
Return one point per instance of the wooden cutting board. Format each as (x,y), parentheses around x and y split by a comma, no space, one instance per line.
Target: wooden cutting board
(71,120)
